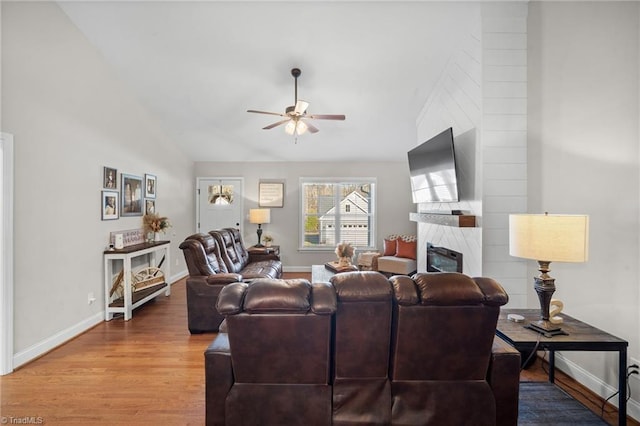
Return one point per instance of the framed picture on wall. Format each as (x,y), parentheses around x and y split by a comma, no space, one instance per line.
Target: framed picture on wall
(150,186)
(109,205)
(271,194)
(131,194)
(110,178)
(149,206)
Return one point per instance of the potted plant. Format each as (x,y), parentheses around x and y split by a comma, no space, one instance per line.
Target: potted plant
(345,252)
(268,239)
(154,223)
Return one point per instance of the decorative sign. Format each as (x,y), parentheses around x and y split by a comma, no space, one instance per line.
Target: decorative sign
(130,237)
(271,194)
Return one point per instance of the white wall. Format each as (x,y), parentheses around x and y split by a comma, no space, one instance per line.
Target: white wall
(393,207)
(584,158)
(70,116)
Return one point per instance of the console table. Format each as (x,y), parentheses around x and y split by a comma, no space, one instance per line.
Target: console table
(581,337)
(131,300)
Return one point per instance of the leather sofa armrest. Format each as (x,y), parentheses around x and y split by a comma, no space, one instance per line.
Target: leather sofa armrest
(224,278)
(404,289)
(323,299)
(231,298)
(218,379)
(494,294)
(504,378)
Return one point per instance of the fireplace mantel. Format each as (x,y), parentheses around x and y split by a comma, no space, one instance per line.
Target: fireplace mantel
(456,220)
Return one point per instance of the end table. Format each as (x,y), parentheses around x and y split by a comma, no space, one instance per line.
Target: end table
(581,337)
(264,253)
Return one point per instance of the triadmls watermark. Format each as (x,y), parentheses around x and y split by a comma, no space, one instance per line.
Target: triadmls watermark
(21,420)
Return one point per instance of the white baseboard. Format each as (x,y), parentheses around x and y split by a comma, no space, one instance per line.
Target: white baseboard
(597,386)
(176,277)
(56,340)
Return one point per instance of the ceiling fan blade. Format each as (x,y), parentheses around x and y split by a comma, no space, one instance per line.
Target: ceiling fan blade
(271,126)
(311,127)
(326,116)
(301,107)
(266,112)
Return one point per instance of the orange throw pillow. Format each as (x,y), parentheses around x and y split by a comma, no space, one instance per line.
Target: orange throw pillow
(390,247)
(406,249)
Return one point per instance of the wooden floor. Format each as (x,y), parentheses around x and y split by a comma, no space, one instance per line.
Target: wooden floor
(147,371)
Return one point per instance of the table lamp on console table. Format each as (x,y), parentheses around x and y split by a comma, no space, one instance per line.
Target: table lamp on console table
(548,238)
(259,217)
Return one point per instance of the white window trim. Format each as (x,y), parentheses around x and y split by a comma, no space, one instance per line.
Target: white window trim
(335,180)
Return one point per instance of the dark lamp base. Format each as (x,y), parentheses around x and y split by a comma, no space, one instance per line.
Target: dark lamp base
(259,245)
(546,328)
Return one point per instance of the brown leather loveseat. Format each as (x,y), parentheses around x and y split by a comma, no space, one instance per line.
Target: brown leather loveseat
(362,349)
(215,260)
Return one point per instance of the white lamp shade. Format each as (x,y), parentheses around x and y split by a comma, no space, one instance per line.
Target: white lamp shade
(553,238)
(259,216)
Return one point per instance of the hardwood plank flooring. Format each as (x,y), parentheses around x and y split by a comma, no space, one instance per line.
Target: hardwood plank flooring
(147,371)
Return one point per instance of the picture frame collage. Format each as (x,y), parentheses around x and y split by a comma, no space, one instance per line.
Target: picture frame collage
(136,195)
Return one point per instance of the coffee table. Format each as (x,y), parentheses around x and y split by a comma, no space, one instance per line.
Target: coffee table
(580,337)
(320,274)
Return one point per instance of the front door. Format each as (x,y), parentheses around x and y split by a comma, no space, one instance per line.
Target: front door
(219,204)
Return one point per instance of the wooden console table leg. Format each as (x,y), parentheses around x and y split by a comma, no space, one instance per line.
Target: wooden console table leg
(552,366)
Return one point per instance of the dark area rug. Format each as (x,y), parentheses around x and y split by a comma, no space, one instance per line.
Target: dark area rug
(543,403)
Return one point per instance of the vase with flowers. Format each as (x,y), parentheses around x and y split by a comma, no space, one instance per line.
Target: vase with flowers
(345,252)
(153,224)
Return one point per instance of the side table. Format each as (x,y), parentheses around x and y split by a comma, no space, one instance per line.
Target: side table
(264,253)
(580,337)
(130,299)
(368,260)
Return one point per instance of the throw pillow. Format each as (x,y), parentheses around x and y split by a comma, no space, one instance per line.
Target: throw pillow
(406,249)
(390,247)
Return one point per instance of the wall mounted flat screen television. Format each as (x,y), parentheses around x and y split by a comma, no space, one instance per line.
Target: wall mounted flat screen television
(432,167)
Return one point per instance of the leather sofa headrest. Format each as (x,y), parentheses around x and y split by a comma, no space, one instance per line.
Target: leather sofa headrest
(207,241)
(265,295)
(448,289)
(359,286)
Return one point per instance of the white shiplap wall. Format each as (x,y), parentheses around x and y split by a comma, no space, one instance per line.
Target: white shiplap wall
(483,96)
(504,140)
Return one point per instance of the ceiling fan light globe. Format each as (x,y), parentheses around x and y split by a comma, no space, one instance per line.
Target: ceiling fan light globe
(301,127)
(290,128)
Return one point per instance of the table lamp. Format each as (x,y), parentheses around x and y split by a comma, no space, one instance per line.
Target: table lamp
(259,216)
(548,238)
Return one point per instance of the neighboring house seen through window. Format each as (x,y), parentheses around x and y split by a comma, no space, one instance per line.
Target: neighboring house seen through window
(337,210)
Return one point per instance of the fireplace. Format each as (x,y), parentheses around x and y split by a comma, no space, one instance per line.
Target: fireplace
(442,259)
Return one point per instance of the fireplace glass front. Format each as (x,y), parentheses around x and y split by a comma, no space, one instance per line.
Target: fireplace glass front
(442,259)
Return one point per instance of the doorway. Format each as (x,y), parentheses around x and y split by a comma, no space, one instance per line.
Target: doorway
(6,259)
(219,203)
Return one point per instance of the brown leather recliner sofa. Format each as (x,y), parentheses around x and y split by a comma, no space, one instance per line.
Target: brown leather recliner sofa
(362,349)
(210,270)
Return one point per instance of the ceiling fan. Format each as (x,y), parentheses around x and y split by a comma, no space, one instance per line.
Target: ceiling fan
(296,115)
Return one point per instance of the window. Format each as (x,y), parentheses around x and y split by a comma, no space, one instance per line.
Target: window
(337,210)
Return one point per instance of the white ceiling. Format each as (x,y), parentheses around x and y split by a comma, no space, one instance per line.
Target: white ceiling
(198,66)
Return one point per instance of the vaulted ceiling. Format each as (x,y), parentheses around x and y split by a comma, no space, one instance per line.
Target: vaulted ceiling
(198,66)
